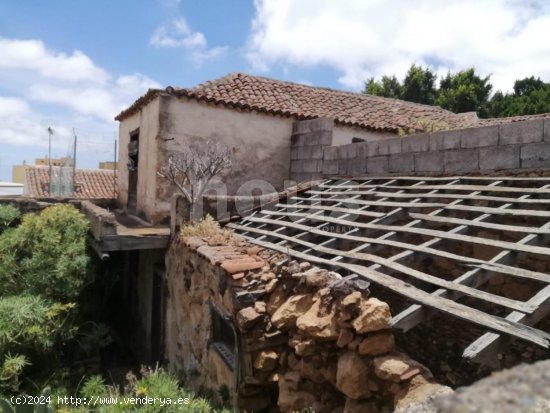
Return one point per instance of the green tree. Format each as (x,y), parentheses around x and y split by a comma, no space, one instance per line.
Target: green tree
(388,87)
(464,91)
(419,85)
(531,96)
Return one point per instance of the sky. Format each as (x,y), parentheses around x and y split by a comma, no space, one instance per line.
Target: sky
(74,65)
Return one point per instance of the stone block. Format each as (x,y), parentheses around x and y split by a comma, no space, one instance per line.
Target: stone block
(316,152)
(348,151)
(416,143)
(377,164)
(499,157)
(479,137)
(330,167)
(535,155)
(342,166)
(296,166)
(401,163)
(547,130)
(312,125)
(297,141)
(357,167)
(521,132)
(464,160)
(312,165)
(318,138)
(294,153)
(443,140)
(388,146)
(331,153)
(432,161)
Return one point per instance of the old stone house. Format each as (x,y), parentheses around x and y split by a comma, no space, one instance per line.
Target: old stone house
(254,117)
(449,227)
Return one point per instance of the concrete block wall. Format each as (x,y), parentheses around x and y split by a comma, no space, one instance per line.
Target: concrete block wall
(307,143)
(512,146)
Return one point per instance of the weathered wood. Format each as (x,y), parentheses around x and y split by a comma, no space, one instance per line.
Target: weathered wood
(488,297)
(481,224)
(422,231)
(441,304)
(482,188)
(464,196)
(332,209)
(487,210)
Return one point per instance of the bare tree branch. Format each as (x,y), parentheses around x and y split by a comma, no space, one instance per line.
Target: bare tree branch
(191,171)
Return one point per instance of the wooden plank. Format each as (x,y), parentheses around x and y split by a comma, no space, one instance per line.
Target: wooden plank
(485,347)
(481,224)
(422,231)
(462,187)
(441,304)
(472,292)
(463,197)
(460,177)
(487,210)
(332,209)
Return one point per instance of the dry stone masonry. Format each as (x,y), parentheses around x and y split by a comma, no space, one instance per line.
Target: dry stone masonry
(304,337)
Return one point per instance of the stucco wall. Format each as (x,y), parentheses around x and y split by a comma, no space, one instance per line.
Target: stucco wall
(147,120)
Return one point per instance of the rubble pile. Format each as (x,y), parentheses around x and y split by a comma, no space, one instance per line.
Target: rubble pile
(309,338)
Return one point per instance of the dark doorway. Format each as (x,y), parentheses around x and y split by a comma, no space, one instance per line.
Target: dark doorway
(157,316)
(133,160)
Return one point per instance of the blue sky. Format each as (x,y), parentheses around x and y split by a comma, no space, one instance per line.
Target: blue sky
(75,64)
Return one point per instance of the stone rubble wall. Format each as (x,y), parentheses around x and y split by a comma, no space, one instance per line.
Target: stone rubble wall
(308,338)
(515,146)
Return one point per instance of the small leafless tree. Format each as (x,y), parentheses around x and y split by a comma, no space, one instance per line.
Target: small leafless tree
(191,171)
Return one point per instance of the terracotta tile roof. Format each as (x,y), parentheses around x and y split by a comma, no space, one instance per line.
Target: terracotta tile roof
(90,183)
(500,121)
(246,92)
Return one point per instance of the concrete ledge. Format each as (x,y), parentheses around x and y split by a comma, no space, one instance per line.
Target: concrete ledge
(461,160)
(499,157)
(535,155)
(521,132)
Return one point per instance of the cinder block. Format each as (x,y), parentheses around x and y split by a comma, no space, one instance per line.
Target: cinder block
(316,152)
(401,163)
(294,153)
(536,155)
(478,137)
(388,146)
(297,141)
(463,160)
(499,157)
(416,143)
(377,164)
(342,166)
(348,151)
(356,167)
(318,138)
(330,167)
(521,132)
(312,165)
(331,153)
(547,129)
(443,140)
(428,162)
(312,125)
(296,166)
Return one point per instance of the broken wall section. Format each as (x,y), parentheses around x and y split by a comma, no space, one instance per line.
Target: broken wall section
(265,330)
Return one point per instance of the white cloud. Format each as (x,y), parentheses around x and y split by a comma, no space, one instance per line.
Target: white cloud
(83,95)
(363,38)
(33,55)
(177,33)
